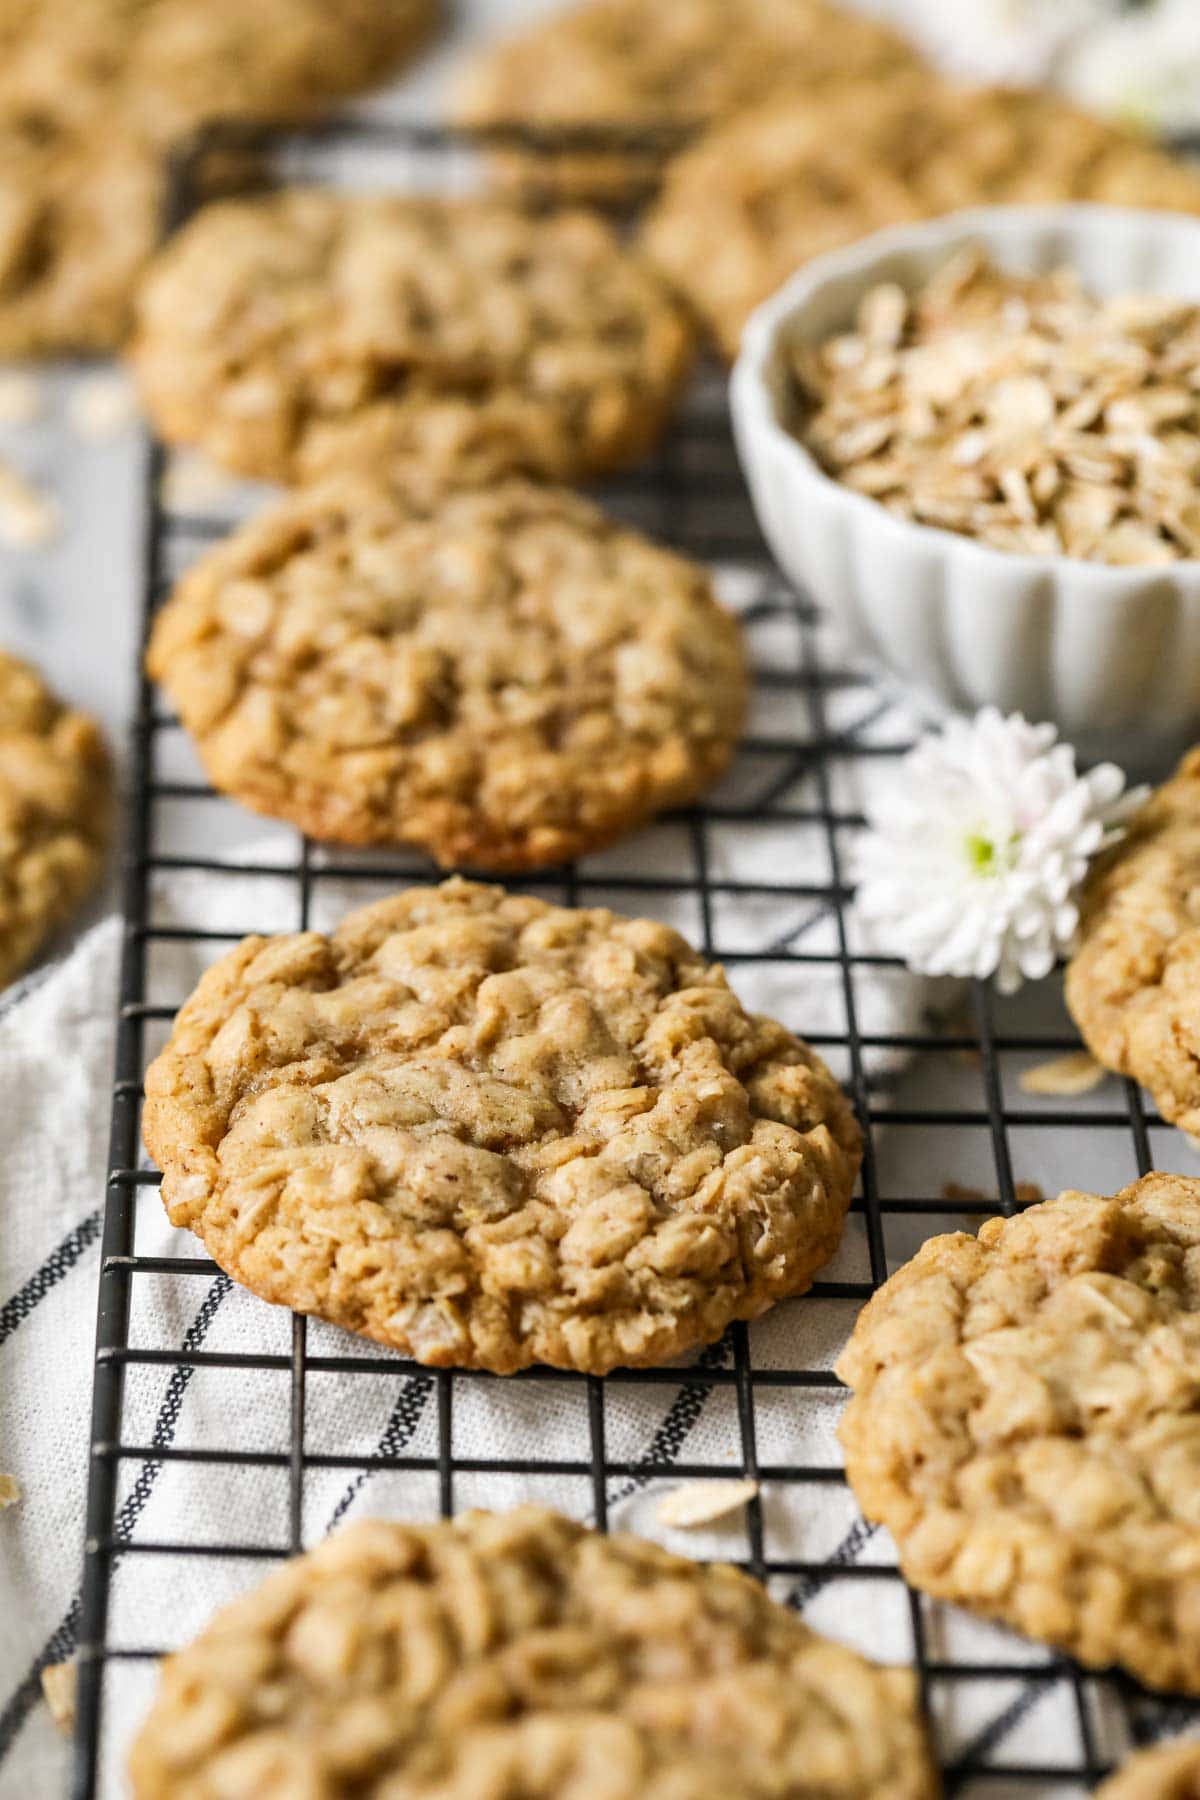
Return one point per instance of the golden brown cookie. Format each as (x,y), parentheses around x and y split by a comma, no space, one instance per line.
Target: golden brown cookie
(280,59)
(1026,1423)
(308,329)
(757,197)
(1167,1772)
(54,812)
(78,221)
(1131,986)
(492,1132)
(522,1657)
(177,62)
(93,94)
(506,678)
(622,65)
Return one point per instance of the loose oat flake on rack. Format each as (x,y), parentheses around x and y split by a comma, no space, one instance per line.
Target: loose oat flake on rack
(58,1691)
(702,1502)
(1019,410)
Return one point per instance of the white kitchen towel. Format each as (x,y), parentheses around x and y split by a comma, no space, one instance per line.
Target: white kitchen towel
(55,1063)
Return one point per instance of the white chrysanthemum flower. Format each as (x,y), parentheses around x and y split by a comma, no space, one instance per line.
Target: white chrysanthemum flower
(972,860)
(1145,67)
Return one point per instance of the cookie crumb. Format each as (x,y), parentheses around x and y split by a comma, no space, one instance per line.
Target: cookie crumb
(958,1190)
(28,519)
(20,397)
(10,1491)
(101,407)
(1026,1193)
(1066,1076)
(58,1690)
(700,1502)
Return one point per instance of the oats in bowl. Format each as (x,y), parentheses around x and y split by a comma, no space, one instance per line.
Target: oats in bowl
(1018,410)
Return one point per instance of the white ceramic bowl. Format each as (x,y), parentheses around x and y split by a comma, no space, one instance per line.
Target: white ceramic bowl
(1111,655)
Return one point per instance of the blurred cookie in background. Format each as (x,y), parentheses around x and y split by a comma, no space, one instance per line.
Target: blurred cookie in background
(623,65)
(55,805)
(756,197)
(439,341)
(93,94)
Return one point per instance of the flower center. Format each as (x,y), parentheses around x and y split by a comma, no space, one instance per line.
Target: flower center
(986,857)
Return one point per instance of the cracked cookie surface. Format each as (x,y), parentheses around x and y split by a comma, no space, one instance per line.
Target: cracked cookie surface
(623,64)
(93,94)
(762,194)
(492,1132)
(523,1657)
(1131,984)
(308,331)
(507,678)
(54,812)
(1026,1423)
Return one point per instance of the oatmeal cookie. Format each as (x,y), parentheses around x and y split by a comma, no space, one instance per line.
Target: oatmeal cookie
(660,69)
(757,197)
(523,1657)
(93,95)
(505,677)
(290,333)
(78,220)
(54,812)
(176,63)
(1131,985)
(280,59)
(1026,1423)
(492,1132)
(1167,1772)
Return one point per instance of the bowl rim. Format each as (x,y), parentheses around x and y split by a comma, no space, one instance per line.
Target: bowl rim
(751,396)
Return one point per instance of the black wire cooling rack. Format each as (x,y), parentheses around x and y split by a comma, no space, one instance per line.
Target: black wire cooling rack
(938,1093)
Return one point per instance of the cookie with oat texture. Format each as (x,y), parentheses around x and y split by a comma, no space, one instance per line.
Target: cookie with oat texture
(1131,984)
(764,192)
(55,804)
(523,1657)
(1025,1421)
(506,677)
(438,340)
(623,65)
(78,221)
(491,1132)
(93,96)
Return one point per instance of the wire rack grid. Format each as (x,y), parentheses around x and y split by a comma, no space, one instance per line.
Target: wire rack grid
(936,1091)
